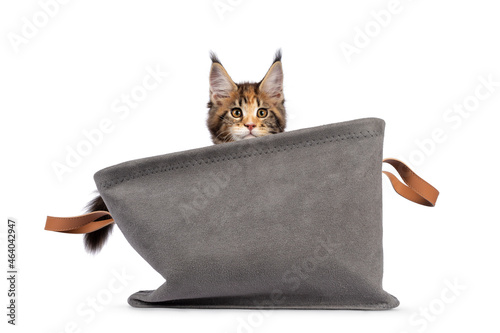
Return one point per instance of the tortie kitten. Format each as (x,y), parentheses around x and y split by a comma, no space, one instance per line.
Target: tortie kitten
(245,110)
(238,111)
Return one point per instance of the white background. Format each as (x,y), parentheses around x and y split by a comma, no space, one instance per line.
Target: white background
(65,77)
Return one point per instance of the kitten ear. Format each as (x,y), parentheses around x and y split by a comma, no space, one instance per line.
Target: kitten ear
(221,84)
(272,83)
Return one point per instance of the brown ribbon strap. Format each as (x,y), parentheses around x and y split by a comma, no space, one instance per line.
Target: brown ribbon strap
(82,224)
(416,189)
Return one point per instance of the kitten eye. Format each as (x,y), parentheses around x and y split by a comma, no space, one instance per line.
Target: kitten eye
(236,112)
(262,113)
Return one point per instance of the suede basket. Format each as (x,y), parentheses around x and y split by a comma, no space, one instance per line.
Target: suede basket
(292,220)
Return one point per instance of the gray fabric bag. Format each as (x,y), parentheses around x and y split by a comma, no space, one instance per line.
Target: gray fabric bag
(292,220)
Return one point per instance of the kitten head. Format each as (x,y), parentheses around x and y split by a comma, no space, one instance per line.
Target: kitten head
(245,110)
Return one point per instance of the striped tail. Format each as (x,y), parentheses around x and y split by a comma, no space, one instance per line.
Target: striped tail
(94,241)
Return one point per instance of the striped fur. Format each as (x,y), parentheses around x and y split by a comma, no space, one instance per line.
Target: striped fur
(250,98)
(94,241)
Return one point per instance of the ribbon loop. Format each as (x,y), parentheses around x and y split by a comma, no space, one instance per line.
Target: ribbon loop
(82,224)
(416,189)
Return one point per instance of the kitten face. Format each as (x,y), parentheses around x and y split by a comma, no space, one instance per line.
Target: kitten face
(245,110)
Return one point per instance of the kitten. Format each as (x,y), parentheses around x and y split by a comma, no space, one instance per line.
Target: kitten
(245,110)
(238,111)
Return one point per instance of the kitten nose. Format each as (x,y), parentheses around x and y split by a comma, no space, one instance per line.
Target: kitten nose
(250,126)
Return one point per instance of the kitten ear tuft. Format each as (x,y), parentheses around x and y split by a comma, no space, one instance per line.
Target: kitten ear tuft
(272,83)
(277,56)
(221,84)
(214,58)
